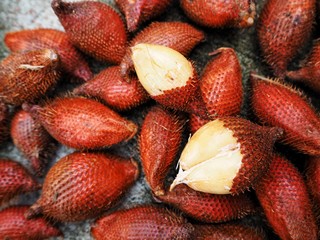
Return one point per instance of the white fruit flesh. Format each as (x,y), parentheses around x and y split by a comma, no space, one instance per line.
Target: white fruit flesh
(211,160)
(160,68)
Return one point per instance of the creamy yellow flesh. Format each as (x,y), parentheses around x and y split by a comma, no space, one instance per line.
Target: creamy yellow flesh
(211,160)
(160,68)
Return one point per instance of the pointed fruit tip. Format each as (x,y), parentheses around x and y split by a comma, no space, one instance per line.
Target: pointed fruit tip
(34,211)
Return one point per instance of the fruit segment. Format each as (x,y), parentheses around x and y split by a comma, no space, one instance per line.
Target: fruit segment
(226,156)
(166,75)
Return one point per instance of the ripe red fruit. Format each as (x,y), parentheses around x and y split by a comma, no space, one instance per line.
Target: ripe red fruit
(37,70)
(221,84)
(109,86)
(196,122)
(139,11)
(160,138)
(93,27)
(226,156)
(143,222)
(4,125)
(14,225)
(215,14)
(227,231)
(285,201)
(179,36)
(279,105)
(278,44)
(309,73)
(82,123)
(83,185)
(206,207)
(166,74)
(72,62)
(14,180)
(31,139)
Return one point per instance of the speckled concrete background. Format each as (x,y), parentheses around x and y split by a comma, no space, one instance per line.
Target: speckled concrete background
(28,14)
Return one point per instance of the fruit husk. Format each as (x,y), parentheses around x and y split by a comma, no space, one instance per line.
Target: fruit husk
(215,14)
(14,225)
(142,222)
(159,143)
(283,196)
(37,70)
(206,207)
(32,140)
(278,45)
(279,105)
(4,122)
(15,179)
(72,61)
(82,123)
(118,94)
(84,185)
(139,11)
(87,24)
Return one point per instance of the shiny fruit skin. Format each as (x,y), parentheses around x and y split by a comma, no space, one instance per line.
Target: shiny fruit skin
(83,185)
(87,23)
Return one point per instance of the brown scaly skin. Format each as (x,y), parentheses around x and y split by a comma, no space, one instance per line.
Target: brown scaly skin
(160,138)
(142,222)
(37,70)
(14,180)
(206,207)
(309,73)
(219,13)
(31,139)
(179,36)
(285,201)
(82,123)
(87,24)
(234,231)
(195,122)
(139,11)
(279,105)
(283,28)
(109,86)
(83,185)
(72,62)
(256,144)
(14,225)
(4,125)
(221,84)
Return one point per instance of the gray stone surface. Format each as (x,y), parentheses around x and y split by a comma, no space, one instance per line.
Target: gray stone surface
(29,14)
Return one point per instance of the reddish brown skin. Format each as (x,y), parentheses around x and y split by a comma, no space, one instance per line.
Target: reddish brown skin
(309,73)
(180,98)
(221,84)
(87,24)
(35,82)
(4,125)
(283,28)
(83,185)
(140,11)
(14,225)
(83,123)
(72,62)
(256,146)
(313,180)
(179,36)
(219,13)
(160,138)
(14,180)
(109,86)
(283,195)
(227,231)
(196,122)
(32,140)
(279,105)
(209,208)
(142,222)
